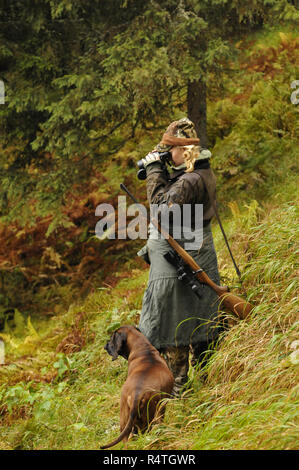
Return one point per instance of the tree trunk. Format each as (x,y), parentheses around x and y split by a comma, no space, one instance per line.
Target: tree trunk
(197,109)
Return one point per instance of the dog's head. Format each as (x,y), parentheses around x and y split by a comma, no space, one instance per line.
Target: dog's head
(117,344)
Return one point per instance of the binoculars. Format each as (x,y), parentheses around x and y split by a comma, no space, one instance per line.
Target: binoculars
(164,157)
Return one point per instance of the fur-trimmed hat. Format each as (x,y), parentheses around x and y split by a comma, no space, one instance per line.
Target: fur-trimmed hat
(178,133)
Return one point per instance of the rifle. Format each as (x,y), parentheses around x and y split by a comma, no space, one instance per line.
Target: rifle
(232,302)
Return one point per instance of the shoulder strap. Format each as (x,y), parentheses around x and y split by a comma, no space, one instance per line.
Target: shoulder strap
(212,197)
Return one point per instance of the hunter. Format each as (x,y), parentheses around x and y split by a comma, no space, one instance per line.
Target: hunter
(173,318)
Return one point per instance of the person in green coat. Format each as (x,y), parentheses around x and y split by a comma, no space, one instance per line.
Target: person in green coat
(173,318)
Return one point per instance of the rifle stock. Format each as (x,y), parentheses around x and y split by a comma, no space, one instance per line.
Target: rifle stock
(232,302)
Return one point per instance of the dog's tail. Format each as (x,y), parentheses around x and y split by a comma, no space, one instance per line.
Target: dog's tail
(128,428)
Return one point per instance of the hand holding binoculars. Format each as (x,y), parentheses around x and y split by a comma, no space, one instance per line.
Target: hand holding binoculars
(164,158)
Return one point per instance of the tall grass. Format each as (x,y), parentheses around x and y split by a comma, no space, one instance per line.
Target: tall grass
(248,401)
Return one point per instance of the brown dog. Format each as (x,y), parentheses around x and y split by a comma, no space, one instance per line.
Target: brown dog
(149,381)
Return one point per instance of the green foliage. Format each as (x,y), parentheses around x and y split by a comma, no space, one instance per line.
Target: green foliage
(88,93)
(81,78)
(62,365)
(249,399)
(254,127)
(16,396)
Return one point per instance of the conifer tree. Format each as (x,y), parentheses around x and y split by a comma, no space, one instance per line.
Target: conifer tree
(80,74)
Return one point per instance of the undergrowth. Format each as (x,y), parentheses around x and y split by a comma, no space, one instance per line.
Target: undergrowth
(64,390)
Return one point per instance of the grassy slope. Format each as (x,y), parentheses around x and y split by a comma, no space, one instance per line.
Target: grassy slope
(64,390)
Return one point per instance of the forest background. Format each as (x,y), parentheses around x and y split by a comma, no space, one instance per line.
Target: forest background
(89,89)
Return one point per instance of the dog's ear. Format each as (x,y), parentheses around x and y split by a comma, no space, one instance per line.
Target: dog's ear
(117,344)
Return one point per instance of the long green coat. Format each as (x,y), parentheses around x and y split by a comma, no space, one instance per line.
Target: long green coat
(172,315)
